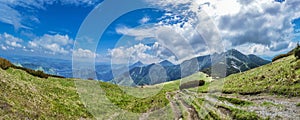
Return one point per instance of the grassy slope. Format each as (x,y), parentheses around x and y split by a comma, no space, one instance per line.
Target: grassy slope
(281,77)
(25,96)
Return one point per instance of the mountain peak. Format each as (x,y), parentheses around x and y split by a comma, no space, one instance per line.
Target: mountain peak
(166,63)
(139,63)
(233,51)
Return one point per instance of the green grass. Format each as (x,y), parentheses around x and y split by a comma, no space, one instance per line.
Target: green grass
(26,96)
(281,78)
(269,104)
(298,105)
(138,105)
(238,114)
(278,77)
(235,101)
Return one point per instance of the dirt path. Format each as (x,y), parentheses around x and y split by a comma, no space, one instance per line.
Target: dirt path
(193,115)
(177,98)
(174,106)
(276,107)
(265,105)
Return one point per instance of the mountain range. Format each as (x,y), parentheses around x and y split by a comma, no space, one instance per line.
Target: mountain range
(235,61)
(140,73)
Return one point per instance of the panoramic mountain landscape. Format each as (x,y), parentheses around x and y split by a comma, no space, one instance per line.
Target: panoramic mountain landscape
(270,91)
(149,60)
(235,62)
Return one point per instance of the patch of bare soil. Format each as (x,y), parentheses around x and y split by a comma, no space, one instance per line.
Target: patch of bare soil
(272,106)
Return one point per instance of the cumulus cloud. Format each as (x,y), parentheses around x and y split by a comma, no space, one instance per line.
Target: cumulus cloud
(260,22)
(54,44)
(84,53)
(10,42)
(153,53)
(46,44)
(123,55)
(264,24)
(251,26)
(182,40)
(267,51)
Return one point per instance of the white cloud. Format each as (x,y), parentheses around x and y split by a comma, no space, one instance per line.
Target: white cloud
(165,48)
(13,44)
(183,41)
(84,53)
(267,51)
(54,44)
(139,33)
(263,24)
(122,55)
(10,16)
(144,20)
(3,47)
(10,41)
(266,25)
(32,44)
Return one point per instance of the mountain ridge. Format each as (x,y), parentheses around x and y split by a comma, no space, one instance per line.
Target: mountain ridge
(235,62)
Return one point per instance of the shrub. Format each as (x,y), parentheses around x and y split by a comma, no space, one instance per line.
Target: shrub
(280,56)
(5,64)
(297,66)
(297,53)
(192,84)
(38,73)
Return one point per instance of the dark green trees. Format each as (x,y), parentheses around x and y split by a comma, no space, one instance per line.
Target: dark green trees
(297,51)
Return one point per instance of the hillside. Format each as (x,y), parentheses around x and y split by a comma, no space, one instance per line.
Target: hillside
(281,77)
(270,91)
(24,96)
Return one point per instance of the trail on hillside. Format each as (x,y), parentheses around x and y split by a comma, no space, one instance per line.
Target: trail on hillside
(175,108)
(264,105)
(275,107)
(176,101)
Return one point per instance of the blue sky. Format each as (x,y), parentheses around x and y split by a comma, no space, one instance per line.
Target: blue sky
(49,28)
